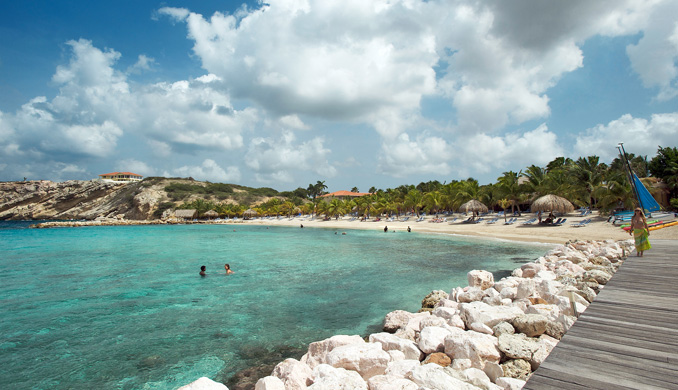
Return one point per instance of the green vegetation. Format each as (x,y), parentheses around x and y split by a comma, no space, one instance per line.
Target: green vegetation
(586,182)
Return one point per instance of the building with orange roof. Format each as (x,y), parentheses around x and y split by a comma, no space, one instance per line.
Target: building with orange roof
(121,176)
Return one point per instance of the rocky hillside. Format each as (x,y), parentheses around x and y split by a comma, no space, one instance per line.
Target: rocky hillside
(74,199)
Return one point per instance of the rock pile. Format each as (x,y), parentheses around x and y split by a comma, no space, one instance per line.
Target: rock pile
(489,335)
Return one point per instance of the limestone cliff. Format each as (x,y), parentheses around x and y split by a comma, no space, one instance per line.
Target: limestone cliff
(75,199)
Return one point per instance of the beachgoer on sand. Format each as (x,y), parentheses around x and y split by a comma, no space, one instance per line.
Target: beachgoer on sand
(202,271)
(640,232)
(228,269)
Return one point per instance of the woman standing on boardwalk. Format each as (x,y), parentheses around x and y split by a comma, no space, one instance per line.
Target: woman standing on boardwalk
(640,232)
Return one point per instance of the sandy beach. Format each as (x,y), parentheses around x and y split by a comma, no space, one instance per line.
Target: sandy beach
(598,229)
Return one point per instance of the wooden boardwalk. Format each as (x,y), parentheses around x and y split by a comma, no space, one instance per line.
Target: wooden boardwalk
(628,337)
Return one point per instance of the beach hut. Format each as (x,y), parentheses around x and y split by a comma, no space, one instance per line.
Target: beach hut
(187,214)
(211,214)
(552,203)
(475,206)
(249,213)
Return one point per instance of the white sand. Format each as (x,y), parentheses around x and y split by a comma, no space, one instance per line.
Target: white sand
(598,229)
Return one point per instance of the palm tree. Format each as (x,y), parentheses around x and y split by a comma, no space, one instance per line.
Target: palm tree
(536,185)
(315,190)
(615,193)
(433,201)
(354,189)
(504,204)
(510,188)
(414,200)
(587,174)
(334,208)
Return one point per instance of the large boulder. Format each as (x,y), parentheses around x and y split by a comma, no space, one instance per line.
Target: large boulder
(551,312)
(204,383)
(510,383)
(385,382)
(270,383)
(401,369)
(294,374)
(470,294)
(481,279)
(517,368)
(503,328)
(415,322)
(396,319)
(433,298)
(493,371)
(368,359)
(317,351)
(486,314)
(331,378)
(532,325)
(434,377)
(391,342)
(530,270)
(518,346)
(600,276)
(432,339)
(477,347)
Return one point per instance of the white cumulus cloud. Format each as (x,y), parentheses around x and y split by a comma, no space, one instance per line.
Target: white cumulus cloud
(209,170)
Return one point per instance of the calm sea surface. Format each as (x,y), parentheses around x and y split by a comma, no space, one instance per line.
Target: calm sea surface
(124,307)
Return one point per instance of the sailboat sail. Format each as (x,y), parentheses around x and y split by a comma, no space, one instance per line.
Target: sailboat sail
(647,202)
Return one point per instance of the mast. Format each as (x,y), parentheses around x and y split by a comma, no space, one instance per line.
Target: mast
(629,172)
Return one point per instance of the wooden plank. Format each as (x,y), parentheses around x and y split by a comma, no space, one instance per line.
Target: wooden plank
(628,337)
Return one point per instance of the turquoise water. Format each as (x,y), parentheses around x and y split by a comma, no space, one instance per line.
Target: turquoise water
(124,307)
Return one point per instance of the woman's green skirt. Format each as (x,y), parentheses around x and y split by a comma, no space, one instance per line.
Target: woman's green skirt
(642,241)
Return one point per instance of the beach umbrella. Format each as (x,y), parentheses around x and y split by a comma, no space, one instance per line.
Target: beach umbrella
(473,205)
(211,214)
(552,203)
(249,213)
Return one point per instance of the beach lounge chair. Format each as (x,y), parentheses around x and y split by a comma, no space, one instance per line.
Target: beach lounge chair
(420,219)
(452,221)
(479,220)
(581,223)
(560,222)
(405,219)
(529,221)
(493,220)
(511,221)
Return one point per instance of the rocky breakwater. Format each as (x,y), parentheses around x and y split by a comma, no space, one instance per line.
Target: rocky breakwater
(489,335)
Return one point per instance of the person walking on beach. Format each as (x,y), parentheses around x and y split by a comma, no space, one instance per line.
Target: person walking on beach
(202,271)
(640,232)
(228,269)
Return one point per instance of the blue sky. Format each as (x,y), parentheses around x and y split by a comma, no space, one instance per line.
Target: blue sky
(355,93)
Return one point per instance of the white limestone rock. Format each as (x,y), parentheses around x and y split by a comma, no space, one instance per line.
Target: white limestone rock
(517,368)
(433,298)
(401,369)
(532,325)
(432,339)
(480,328)
(506,282)
(526,289)
(270,383)
(396,319)
(503,328)
(294,374)
(432,321)
(509,292)
(493,371)
(447,303)
(471,294)
(518,346)
(415,321)
(510,383)
(530,270)
(477,378)
(457,322)
(396,355)
(204,383)
(317,351)
(477,347)
(385,382)
(445,313)
(434,377)
(486,314)
(392,342)
(461,364)
(480,278)
(602,277)
(368,359)
(327,377)
(551,312)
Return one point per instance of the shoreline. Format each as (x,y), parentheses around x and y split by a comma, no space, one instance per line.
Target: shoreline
(598,229)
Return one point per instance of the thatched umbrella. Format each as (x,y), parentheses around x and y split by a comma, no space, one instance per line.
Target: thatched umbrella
(473,205)
(211,214)
(249,213)
(552,203)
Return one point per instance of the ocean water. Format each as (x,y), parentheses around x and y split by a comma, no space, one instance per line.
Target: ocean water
(124,307)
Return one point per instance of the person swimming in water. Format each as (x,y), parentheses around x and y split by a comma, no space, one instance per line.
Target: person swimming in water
(202,271)
(228,269)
